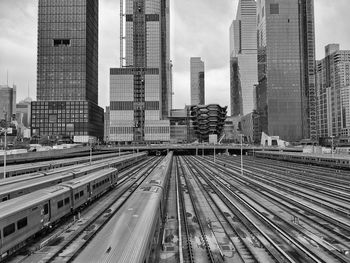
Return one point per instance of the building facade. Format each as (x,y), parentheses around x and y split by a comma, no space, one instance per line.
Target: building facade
(197,81)
(286,68)
(23,111)
(243,59)
(333,81)
(7,102)
(140,91)
(67,71)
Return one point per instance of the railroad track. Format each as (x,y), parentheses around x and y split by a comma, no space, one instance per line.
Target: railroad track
(102,217)
(75,242)
(247,183)
(261,248)
(335,200)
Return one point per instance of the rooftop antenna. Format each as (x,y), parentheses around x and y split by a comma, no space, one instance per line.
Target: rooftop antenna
(28,89)
(7,78)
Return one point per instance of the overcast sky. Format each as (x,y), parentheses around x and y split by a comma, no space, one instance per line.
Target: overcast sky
(198,28)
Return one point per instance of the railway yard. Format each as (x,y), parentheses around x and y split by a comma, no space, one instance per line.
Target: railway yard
(175,208)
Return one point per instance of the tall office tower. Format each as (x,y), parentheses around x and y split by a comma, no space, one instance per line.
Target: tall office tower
(7,102)
(243,59)
(140,89)
(197,81)
(67,73)
(286,74)
(333,83)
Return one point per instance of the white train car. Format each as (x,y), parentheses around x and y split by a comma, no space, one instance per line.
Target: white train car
(133,231)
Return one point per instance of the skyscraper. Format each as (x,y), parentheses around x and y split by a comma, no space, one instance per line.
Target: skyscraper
(243,59)
(333,84)
(7,102)
(197,81)
(286,68)
(67,73)
(140,89)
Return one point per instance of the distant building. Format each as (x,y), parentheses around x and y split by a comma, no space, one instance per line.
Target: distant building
(333,81)
(207,120)
(251,127)
(67,73)
(7,102)
(286,68)
(345,101)
(243,59)
(197,81)
(23,111)
(140,91)
(106,124)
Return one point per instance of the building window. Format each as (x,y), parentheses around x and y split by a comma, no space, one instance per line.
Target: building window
(274,9)
(61,42)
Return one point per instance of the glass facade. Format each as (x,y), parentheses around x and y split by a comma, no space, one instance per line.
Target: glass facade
(243,59)
(70,118)
(285,55)
(140,90)
(7,102)
(197,81)
(67,71)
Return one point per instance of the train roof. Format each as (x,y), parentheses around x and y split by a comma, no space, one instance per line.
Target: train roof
(18,186)
(15,205)
(126,236)
(87,178)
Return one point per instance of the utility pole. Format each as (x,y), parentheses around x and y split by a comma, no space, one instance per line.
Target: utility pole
(241,154)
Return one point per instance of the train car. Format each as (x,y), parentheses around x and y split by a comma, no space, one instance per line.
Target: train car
(23,217)
(339,162)
(22,187)
(89,187)
(132,232)
(21,169)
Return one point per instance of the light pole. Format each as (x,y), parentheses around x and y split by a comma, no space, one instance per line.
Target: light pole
(5,153)
(241,135)
(332,146)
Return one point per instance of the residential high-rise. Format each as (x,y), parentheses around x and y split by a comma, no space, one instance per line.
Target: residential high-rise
(286,68)
(333,82)
(243,59)
(7,102)
(197,81)
(67,73)
(140,89)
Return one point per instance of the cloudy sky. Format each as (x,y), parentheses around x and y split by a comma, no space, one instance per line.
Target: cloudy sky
(198,28)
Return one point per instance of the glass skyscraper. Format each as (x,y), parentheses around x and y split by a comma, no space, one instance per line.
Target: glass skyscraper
(243,59)
(140,91)
(67,70)
(197,81)
(286,68)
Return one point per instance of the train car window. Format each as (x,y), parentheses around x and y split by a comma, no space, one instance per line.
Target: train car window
(46,209)
(59,204)
(8,230)
(4,199)
(22,223)
(81,193)
(66,201)
(76,196)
